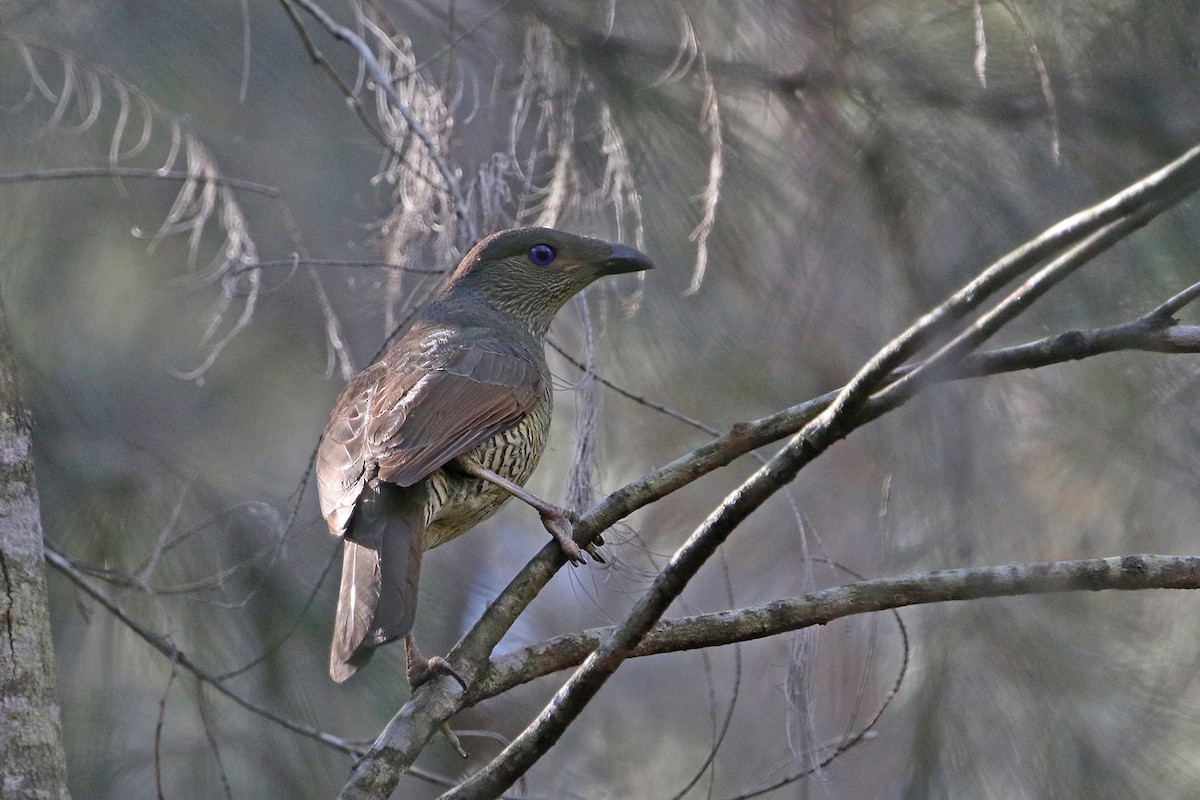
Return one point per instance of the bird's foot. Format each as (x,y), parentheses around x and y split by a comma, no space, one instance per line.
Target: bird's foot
(561,524)
(420,669)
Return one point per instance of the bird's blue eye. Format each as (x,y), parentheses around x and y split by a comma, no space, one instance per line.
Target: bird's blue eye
(541,254)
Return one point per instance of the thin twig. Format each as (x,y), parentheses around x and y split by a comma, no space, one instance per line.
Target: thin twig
(637,398)
(158,729)
(347,91)
(381,78)
(296,261)
(60,561)
(1174,304)
(213,745)
(76,173)
(853,739)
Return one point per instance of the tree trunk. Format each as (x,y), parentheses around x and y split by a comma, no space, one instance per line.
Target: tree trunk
(32,763)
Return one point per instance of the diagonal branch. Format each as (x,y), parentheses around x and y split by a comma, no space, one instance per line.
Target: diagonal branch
(815,425)
(405,735)
(570,700)
(1025,295)
(1167,185)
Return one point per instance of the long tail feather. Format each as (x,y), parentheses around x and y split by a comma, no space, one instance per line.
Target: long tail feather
(381,567)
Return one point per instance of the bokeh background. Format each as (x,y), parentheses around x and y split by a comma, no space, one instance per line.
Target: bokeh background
(873,156)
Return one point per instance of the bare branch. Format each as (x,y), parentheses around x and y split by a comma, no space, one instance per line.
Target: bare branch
(1168,184)
(1134,572)
(1128,573)
(60,561)
(395,748)
(639,399)
(403,738)
(1025,295)
(1174,304)
(76,173)
(819,423)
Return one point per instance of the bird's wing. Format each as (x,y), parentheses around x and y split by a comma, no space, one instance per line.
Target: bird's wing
(342,455)
(477,391)
(411,418)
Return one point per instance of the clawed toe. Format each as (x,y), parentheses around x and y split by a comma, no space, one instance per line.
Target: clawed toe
(593,550)
(440,666)
(561,527)
(452,738)
(419,669)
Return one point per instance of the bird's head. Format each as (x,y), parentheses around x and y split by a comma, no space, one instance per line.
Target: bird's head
(531,273)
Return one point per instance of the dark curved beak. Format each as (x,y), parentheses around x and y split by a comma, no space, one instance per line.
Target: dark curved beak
(625,259)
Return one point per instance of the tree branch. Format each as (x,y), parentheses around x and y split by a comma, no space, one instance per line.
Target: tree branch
(1128,573)
(394,749)
(815,424)
(1026,294)
(1162,189)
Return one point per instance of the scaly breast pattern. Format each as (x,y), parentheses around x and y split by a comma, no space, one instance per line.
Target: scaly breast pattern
(458,502)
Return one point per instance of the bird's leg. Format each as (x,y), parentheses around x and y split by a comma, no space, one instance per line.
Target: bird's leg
(420,669)
(559,521)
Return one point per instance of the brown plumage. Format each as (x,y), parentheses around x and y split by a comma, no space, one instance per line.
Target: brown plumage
(435,436)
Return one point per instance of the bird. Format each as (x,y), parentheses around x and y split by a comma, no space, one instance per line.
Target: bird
(446,426)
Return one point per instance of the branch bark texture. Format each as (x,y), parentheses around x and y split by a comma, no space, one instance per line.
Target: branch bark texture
(1131,573)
